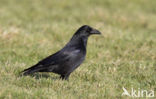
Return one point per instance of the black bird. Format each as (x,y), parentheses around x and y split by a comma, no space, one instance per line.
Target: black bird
(68,58)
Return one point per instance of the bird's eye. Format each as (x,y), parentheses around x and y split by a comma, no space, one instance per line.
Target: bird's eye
(89,29)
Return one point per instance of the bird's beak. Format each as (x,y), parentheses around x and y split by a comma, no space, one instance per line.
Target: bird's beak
(94,31)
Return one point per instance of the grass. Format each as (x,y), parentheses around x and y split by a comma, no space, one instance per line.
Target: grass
(124,56)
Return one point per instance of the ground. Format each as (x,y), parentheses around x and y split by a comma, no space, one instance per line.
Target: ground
(124,56)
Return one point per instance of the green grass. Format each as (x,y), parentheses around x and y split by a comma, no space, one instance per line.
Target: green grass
(124,56)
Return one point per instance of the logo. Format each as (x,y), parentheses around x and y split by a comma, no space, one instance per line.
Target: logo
(137,93)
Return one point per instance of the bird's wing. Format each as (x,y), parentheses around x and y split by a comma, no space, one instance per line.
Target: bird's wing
(59,57)
(56,60)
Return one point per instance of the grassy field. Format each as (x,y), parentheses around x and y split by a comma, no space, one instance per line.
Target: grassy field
(124,56)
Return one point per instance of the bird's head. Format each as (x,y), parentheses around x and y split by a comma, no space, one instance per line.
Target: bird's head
(82,34)
(86,30)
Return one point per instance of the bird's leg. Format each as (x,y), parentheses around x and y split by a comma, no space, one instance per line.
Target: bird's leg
(65,77)
(62,77)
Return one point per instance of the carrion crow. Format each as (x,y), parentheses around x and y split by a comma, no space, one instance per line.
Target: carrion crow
(66,60)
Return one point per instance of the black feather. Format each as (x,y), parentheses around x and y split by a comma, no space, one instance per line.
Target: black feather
(68,58)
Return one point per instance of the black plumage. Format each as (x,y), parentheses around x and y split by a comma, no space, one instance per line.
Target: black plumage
(68,58)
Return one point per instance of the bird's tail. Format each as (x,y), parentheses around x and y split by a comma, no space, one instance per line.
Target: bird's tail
(30,70)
